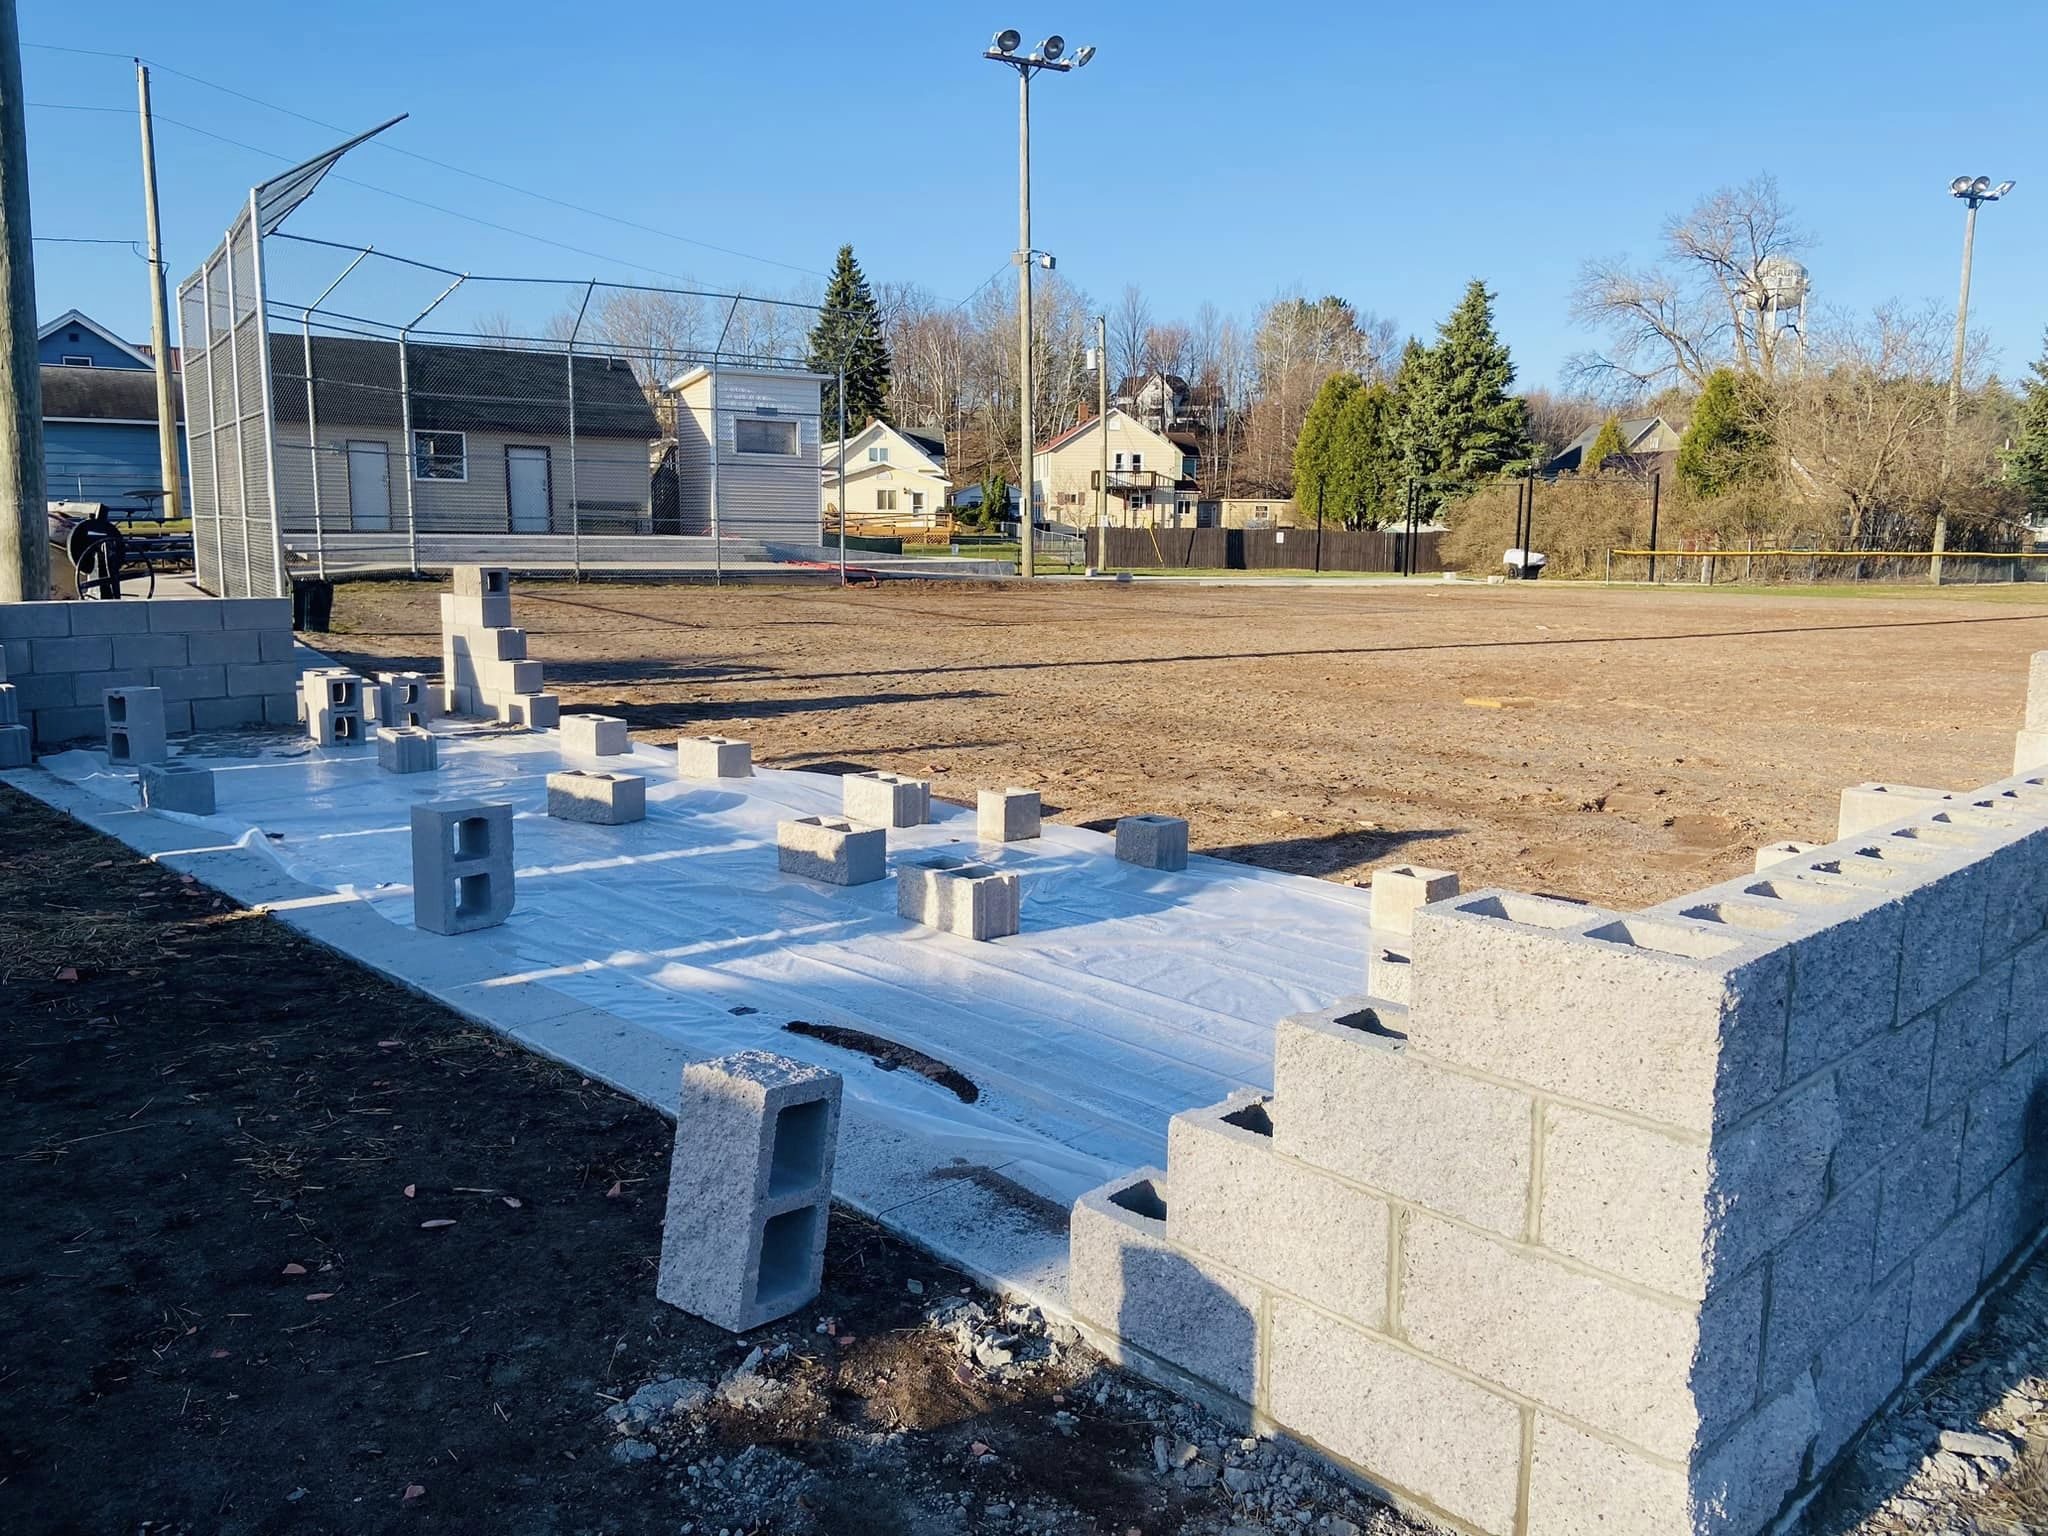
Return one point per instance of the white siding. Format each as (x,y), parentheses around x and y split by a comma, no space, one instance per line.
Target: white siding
(758,498)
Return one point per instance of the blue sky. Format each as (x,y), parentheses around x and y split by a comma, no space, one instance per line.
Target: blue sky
(1222,152)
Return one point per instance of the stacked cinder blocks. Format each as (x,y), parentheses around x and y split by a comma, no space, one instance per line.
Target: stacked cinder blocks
(331,700)
(749,1189)
(220,663)
(400,700)
(885,799)
(1632,1220)
(832,850)
(15,750)
(956,896)
(602,799)
(134,724)
(461,865)
(484,667)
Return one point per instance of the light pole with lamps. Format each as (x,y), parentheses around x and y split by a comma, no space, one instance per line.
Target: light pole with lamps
(1051,55)
(1975,191)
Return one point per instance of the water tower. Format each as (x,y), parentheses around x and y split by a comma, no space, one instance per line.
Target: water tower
(1779,289)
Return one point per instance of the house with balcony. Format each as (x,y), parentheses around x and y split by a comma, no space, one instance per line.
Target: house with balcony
(1151,479)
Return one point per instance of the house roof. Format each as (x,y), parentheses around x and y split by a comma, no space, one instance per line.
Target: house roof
(83,321)
(703,370)
(102,394)
(930,441)
(1128,390)
(1633,430)
(457,389)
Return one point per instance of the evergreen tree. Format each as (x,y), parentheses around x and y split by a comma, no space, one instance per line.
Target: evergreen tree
(1413,442)
(1459,423)
(1726,442)
(1606,443)
(1376,484)
(849,334)
(1319,451)
(2026,463)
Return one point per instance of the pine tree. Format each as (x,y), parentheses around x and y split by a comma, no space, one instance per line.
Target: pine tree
(1459,424)
(1725,442)
(1319,451)
(849,334)
(1375,483)
(2026,462)
(1606,444)
(1414,441)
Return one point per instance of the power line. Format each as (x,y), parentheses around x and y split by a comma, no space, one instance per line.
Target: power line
(396,149)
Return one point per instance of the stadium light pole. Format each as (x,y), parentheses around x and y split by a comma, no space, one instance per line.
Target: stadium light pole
(1051,54)
(1974,191)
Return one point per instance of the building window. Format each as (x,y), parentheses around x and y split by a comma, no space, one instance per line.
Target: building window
(1119,461)
(878,455)
(71,361)
(764,435)
(885,501)
(1137,462)
(917,503)
(1188,468)
(440,456)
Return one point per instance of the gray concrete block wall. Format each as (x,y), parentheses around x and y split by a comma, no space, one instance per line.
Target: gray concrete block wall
(219,662)
(1675,1200)
(484,666)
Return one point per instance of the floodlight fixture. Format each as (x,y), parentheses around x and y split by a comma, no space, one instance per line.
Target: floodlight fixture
(1087,52)
(1052,48)
(1960,187)
(1007,40)
(1980,186)
(2002,188)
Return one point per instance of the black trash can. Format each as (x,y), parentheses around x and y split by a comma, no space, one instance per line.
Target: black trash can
(312,605)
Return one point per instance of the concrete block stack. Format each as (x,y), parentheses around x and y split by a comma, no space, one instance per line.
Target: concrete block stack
(401,699)
(750,1188)
(958,896)
(461,865)
(1397,894)
(829,849)
(186,788)
(1631,1220)
(331,700)
(484,666)
(885,799)
(133,719)
(602,799)
(220,663)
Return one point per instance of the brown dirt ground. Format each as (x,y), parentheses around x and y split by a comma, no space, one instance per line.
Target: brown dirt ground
(1618,745)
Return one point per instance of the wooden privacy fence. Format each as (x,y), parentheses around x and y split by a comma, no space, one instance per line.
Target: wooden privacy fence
(1260,549)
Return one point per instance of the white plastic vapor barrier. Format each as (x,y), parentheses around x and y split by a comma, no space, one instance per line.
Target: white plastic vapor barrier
(1130,994)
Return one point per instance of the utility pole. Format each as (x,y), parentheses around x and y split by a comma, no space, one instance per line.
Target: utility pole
(159,314)
(1025,521)
(1974,191)
(24,525)
(1102,431)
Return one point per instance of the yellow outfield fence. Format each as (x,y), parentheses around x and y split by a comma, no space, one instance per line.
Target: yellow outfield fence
(1965,565)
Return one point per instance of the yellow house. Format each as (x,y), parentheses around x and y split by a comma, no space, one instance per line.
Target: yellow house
(1248,512)
(893,475)
(1151,480)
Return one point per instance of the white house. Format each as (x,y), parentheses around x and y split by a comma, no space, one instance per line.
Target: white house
(893,474)
(747,444)
(1151,483)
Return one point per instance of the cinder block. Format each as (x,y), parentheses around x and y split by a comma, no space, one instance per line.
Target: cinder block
(472,612)
(135,726)
(226,647)
(835,851)
(1583,1486)
(1945,1276)
(22,622)
(1400,1419)
(1969,1038)
(595,735)
(110,617)
(1006,815)
(2030,749)
(277,644)
(184,616)
(1153,842)
(1770,1175)
(749,1188)
(1625,1199)
(2027,1022)
(191,682)
(956,896)
(151,650)
(1744,1480)
(91,653)
(49,690)
(333,703)
(713,757)
(480,581)
(1358,1103)
(2007,1115)
(603,799)
(258,613)
(461,865)
(403,698)
(1820,1280)
(1237,1201)
(1944,901)
(1918,1191)
(226,714)
(15,748)
(91,687)
(1868,806)
(885,799)
(1859,1368)
(266,677)
(1125,1278)
(407,749)
(178,786)
(2015,1209)
(1603,1354)
(1778,853)
(1679,1022)
(1390,974)
(534,711)
(10,705)
(1398,891)
(281,708)
(1883,1095)
(72,723)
